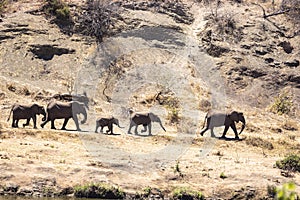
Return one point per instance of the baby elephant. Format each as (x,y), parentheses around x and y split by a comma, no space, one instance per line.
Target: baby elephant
(102,122)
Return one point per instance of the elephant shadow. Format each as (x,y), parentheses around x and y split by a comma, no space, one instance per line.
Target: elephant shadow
(231,139)
(74,130)
(112,134)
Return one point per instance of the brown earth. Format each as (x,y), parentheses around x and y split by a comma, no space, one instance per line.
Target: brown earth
(243,70)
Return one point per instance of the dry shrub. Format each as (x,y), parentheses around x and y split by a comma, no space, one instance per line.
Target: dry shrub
(290,125)
(290,163)
(293,8)
(205,105)
(259,142)
(97,19)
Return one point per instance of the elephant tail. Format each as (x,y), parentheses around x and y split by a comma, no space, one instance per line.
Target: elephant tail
(10,113)
(205,120)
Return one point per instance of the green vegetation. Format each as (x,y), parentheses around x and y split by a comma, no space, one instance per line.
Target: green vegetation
(147,191)
(185,193)
(290,163)
(57,8)
(283,104)
(223,176)
(100,190)
(177,169)
(286,192)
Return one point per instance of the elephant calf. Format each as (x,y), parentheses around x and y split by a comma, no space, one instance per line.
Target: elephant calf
(144,119)
(102,122)
(214,119)
(26,112)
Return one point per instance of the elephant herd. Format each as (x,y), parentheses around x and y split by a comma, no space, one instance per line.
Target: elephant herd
(67,110)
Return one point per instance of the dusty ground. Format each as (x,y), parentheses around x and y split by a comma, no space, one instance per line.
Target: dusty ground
(154,59)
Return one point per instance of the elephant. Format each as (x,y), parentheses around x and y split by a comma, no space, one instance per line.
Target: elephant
(144,119)
(26,112)
(215,119)
(65,110)
(107,121)
(73,97)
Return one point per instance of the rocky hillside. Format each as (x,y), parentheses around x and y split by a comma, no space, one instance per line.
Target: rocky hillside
(177,59)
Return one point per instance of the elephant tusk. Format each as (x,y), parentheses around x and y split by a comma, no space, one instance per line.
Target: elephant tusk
(243,127)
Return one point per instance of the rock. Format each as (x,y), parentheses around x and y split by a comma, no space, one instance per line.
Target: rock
(216,51)
(287,47)
(11,188)
(25,191)
(269,60)
(294,63)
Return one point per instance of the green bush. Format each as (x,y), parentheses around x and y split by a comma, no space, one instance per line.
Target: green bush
(283,104)
(287,192)
(185,193)
(57,8)
(290,163)
(98,191)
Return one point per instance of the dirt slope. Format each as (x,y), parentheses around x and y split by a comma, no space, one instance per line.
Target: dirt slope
(168,54)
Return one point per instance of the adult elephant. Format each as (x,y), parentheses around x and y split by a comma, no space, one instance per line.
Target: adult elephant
(107,121)
(65,110)
(214,119)
(26,112)
(144,119)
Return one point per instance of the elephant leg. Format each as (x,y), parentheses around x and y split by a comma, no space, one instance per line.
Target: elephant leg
(97,126)
(76,122)
(130,126)
(233,127)
(203,131)
(27,122)
(145,128)
(110,129)
(136,130)
(225,131)
(149,128)
(212,132)
(101,129)
(44,123)
(13,124)
(52,124)
(17,123)
(34,121)
(65,123)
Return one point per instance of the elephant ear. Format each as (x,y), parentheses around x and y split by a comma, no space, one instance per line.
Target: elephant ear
(234,116)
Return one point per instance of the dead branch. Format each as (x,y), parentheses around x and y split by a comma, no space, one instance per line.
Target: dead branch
(265,16)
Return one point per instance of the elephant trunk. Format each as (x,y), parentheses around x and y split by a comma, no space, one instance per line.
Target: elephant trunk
(85,117)
(116,122)
(44,116)
(162,126)
(244,124)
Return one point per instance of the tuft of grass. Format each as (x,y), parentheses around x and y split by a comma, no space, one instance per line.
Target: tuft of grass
(186,193)
(290,163)
(223,176)
(177,169)
(99,190)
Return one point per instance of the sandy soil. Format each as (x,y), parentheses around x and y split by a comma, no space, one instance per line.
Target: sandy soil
(177,158)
